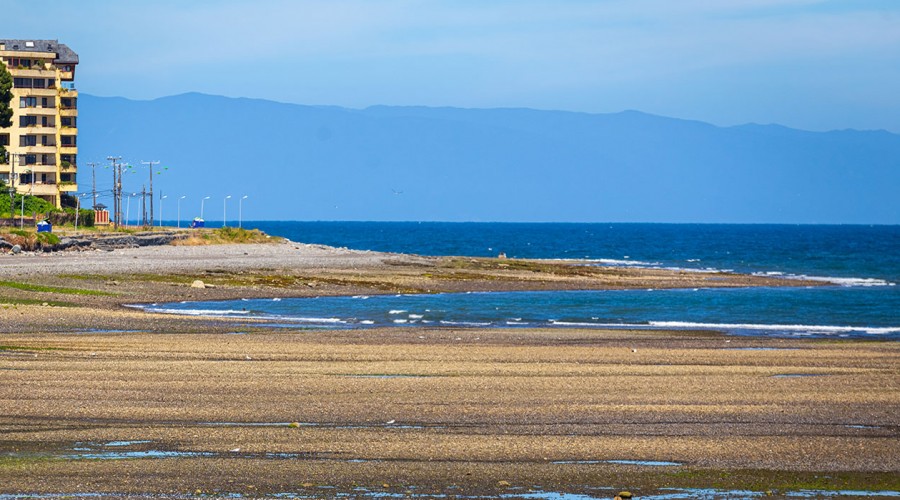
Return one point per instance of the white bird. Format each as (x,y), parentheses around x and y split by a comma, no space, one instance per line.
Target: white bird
(235,450)
(389,422)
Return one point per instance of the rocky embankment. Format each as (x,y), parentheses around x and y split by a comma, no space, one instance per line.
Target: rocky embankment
(102,241)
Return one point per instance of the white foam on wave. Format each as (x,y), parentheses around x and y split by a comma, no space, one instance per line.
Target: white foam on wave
(573,323)
(464,323)
(397,311)
(799,329)
(400,321)
(362,297)
(200,312)
(366,322)
(316,320)
(608,262)
(416,316)
(835,280)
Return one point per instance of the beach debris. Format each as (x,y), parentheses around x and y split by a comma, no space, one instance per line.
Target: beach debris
(503,484)
(16,249)
(198,284)
(623,495)
(501,255)
(112,283)
(294,425)
(633,350)
(236,450)
(389,422)
(248,358)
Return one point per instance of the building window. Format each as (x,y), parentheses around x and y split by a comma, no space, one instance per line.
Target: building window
(27,121)
(69,121)
(28,102)
(68,103)
(27,140)
(68,140)
(38,83)
(30,159)
(47,140)
(4,139)
(22,83)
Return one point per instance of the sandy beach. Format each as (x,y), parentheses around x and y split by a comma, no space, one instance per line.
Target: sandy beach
(99,398)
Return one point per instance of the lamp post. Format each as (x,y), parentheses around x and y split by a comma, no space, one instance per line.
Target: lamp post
(179,211)
(201,206)
(224,207)
(22,215)
(128,207)
(161,198)
(241,211)
(78,208)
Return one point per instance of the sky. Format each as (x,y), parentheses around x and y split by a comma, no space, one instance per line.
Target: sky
(809,64)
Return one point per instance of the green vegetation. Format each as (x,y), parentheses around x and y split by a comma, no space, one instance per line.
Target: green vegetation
(6,98)
(226,235)
(6,302)
(27,348)
(28,287)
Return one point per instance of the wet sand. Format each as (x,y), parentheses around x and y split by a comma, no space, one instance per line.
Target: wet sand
(196,404)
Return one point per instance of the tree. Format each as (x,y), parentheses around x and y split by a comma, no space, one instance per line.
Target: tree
(6,97)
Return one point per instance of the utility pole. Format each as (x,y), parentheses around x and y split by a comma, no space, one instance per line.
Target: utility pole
(117,187)
(143,204)
(151,163)
(94,183)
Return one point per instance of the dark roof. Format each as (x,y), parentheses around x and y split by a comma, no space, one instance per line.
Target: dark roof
(64,55)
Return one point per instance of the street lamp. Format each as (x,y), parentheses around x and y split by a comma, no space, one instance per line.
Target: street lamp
(224,206)
(22,216)
(128,207)
(201,206)
(161,198)
(179,211)
(241,211)
(78,208)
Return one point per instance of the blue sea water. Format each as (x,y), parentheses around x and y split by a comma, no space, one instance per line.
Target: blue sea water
(861,264)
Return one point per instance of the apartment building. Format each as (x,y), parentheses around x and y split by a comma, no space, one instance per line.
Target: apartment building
(42,144)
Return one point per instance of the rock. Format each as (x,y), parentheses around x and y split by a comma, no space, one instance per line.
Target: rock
(624,495)
(503,484)
(112,283)
(198,284)
(502,255)
(208,285)
(16,249)
(294,425)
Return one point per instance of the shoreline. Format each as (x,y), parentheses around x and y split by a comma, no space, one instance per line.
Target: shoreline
(413,411)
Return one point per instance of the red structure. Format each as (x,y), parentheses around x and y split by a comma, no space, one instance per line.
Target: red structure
(101,217)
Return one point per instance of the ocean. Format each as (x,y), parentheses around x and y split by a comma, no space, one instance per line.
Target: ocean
(861,265)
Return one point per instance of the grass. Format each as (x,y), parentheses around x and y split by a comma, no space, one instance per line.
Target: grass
(34,302)
(225,235)
(28,287)
(26,348)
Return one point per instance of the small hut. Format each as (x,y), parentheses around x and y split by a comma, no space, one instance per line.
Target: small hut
(101,215)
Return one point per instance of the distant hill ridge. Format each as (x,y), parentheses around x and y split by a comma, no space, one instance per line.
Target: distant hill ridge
(419,163)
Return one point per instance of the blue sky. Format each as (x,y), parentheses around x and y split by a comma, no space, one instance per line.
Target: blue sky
(811,64)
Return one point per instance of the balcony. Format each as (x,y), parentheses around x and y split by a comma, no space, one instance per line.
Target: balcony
(68,150)
(48,111)
(68,111)
(38,149)
(38,169)
(39,189)
(34,92)
(33,73)
(67,187)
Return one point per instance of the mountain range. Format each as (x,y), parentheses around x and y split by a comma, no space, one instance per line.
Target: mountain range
(297,162)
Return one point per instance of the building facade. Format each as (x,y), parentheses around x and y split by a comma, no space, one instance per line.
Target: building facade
(41,144)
